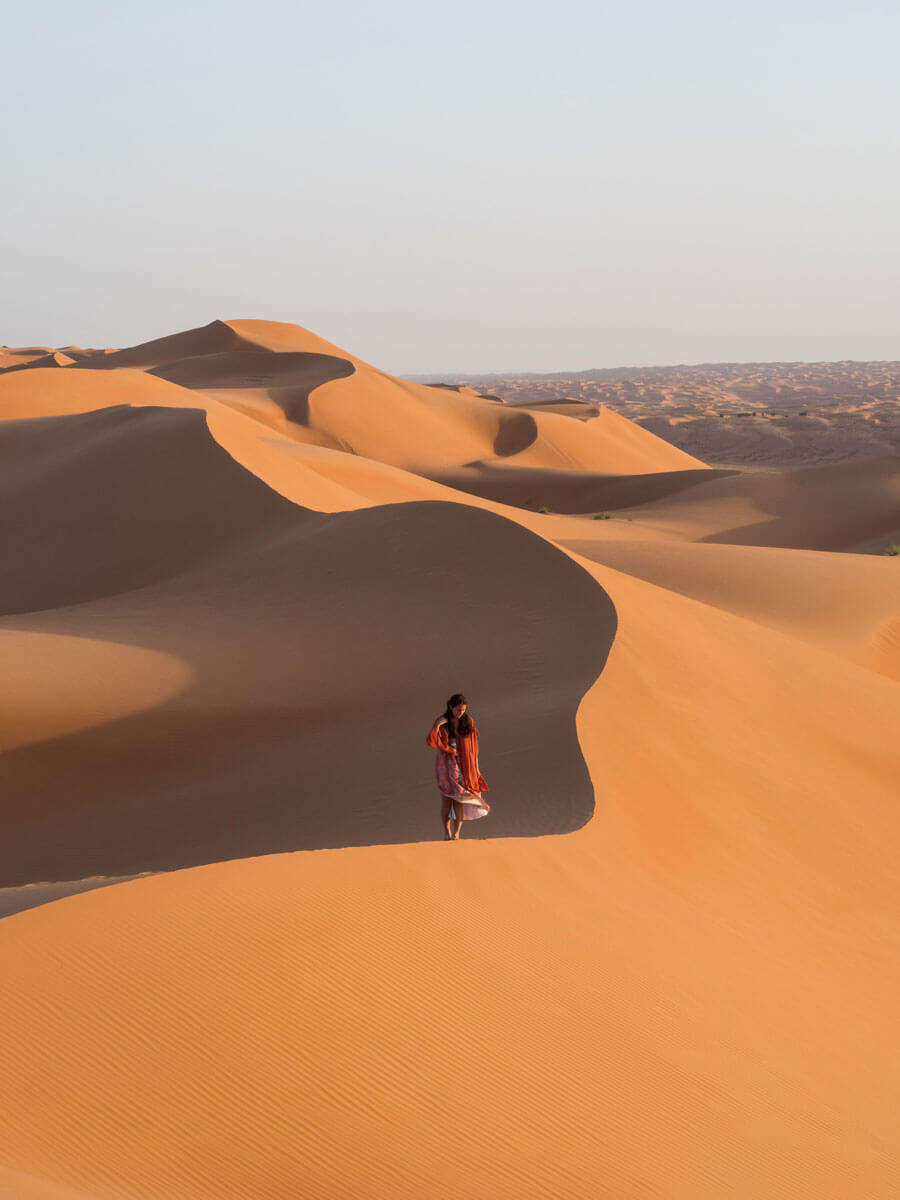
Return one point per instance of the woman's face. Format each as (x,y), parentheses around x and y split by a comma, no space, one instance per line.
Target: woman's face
(458,710)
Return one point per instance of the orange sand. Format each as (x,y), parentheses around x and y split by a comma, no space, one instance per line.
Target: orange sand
(238,588)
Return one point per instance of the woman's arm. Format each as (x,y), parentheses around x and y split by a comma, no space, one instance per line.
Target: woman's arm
(438,738)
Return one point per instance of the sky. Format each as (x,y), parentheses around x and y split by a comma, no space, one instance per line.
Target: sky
(458,187)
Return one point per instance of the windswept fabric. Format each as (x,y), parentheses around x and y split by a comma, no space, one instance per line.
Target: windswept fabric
(456,770)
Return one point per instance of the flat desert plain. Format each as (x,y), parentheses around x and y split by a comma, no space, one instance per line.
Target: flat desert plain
(243,571)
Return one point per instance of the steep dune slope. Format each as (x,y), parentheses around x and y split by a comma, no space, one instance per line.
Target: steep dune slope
(844,603)
(835,507)
(263,367)
(436,433)
(111,500)
(314,476)
(45,393)
(564,490)
(301,634)
(688,995)
(382,428)
(45,696)
(216,338)
(680,965)
(14,356)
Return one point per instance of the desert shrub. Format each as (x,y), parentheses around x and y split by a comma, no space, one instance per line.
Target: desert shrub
(544,509)
(895,549)
(602,516)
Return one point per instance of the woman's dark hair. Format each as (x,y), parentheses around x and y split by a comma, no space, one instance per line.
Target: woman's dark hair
(465,721)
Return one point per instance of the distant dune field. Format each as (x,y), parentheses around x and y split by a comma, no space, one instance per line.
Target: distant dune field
(733,414)
(243,570)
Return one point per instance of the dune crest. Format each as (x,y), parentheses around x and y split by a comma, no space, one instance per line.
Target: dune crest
(285,560)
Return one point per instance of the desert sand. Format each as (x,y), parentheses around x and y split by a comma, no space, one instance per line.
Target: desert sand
(731,414)
(243,571)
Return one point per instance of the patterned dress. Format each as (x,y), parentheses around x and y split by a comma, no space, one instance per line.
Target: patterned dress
(468,805)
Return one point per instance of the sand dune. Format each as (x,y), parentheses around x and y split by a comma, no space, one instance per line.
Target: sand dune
(45,697)
(41,393)
(654,984)
(833,601)
(480,446)
(283,379)
(570,491)
(56,358)
(735,414)
(304,471)
(836,507)
(216,338)
(245,569)
(16,1186)
(32,895)
(109,501)
(286,592)
(11,356)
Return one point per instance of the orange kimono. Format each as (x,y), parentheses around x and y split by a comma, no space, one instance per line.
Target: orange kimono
(466,750)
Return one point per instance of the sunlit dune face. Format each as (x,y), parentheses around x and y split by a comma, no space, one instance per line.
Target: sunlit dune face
(688,995)
(735,413)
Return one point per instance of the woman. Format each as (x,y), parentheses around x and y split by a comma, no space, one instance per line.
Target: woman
(455,738)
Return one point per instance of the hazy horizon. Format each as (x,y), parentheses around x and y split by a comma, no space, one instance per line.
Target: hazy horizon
(671,366)
(479,189)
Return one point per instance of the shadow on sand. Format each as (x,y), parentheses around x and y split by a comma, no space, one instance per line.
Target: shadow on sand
(322,646)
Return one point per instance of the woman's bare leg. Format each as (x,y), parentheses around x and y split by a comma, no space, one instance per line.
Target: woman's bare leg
(445,817)
(457,829)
